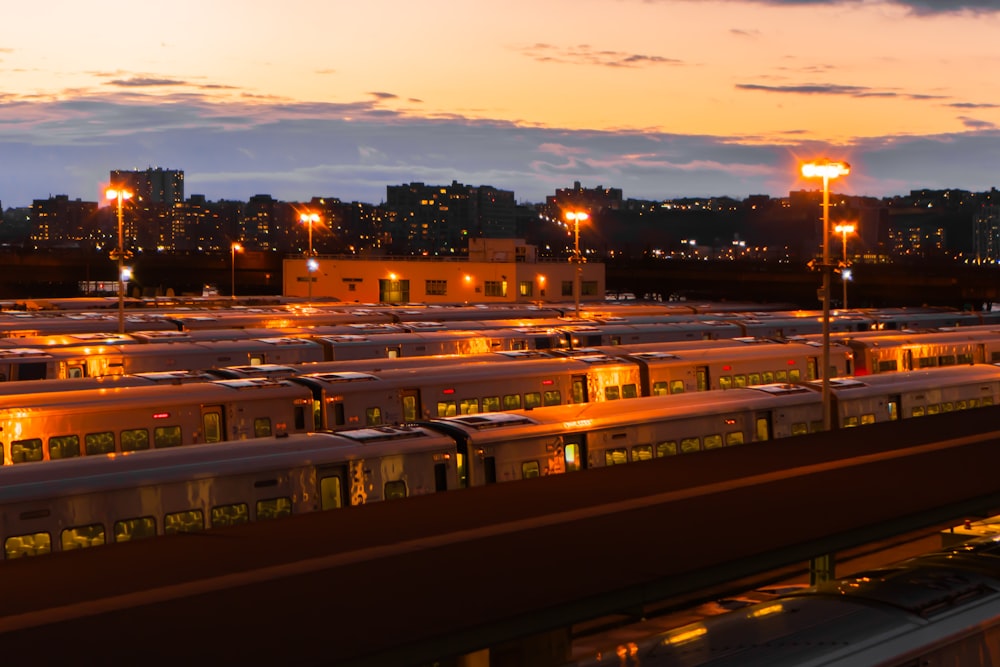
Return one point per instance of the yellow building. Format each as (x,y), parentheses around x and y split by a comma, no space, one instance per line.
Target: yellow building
(496,271)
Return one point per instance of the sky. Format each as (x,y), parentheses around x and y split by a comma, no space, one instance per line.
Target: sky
(660,98)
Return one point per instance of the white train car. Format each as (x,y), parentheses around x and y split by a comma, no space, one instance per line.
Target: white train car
(940,608)
(930,349)
(55,425)
(80,503)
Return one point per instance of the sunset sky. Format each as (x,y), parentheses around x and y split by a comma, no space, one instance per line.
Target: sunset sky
(661,98)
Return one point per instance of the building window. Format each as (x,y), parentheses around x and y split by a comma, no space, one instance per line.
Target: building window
(394,291)
(526,288)
(495,288)
(588,287)
(567,288)
(436,287)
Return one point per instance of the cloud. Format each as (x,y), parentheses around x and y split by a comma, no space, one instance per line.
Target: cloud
(584,54)
(257,144)
(916,7)
(142,82)
(834,89)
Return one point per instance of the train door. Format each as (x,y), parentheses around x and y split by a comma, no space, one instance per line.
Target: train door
(412,410)
(332,483)
(812,368)
(907,360)
(440,477)
(213,424)
(703,380)
(393,352)
(763,427)
(579,389)
(574,451)
(892,406)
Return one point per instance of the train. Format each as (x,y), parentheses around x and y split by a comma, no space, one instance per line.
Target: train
(132,484)
(939,608)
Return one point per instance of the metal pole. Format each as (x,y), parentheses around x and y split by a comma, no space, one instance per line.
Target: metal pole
(232,283)
(576,258)
(843,270)
(309,274)
(121,270)
(826,303)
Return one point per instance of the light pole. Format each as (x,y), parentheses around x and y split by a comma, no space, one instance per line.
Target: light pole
(826,170)
(844,229)
(309,219)
(577,217)
(120,195)
(234,248)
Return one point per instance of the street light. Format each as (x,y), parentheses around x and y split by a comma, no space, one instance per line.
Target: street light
(120,195)
(577,217)
(826,170)
(234,248)
(844,229)
(309,219)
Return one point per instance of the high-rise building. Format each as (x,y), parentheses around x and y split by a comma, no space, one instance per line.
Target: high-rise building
(156,206)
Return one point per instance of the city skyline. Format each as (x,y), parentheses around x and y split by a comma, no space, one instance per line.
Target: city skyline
(663,99)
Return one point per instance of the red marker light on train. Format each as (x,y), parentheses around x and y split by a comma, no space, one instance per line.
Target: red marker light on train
(791,362)
(161,415)
(546,382)
(727,367)
(448,391)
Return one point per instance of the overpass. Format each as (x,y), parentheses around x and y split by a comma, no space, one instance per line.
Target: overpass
(496,575)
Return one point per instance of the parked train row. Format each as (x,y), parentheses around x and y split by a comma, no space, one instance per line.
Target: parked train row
(940,608)
(81,501)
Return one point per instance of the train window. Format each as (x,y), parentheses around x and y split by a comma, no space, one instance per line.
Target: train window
(868,418)
(677,386)
(762,428)
(468,406)
(701,379)
(491,404)
(973,403)
(611,393)
(373,416)
(261,427)
(689,445)
(987,400)
(946,360)
(995,356)
(532,399)
(850,421)
(794,375)
(659,389)
(552,397)
(933,409)
(965,358)
(167,436)
(816,427)
(725,382)
(630,391)
(734,438)
(800,428)
(22,451)
(447,409)
(780,376)
(338,414)
(925,362)
(642,453)
(616,456)
(81,537)
(917,411)
(274,508)
(740,381)
(237,513)
(890,365)
(512,402)
(395,490)
(188,521)
(579,389)
(99,443)
(668,448)
(64,446)
(530,469)
(713,441)
(135,439)
(134,529)
(753,379)
(947,406)
(34,544)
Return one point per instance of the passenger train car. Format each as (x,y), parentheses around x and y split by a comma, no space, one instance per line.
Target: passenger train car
(940,608)
(122,491)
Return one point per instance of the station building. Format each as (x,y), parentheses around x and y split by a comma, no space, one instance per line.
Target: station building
(496,271)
